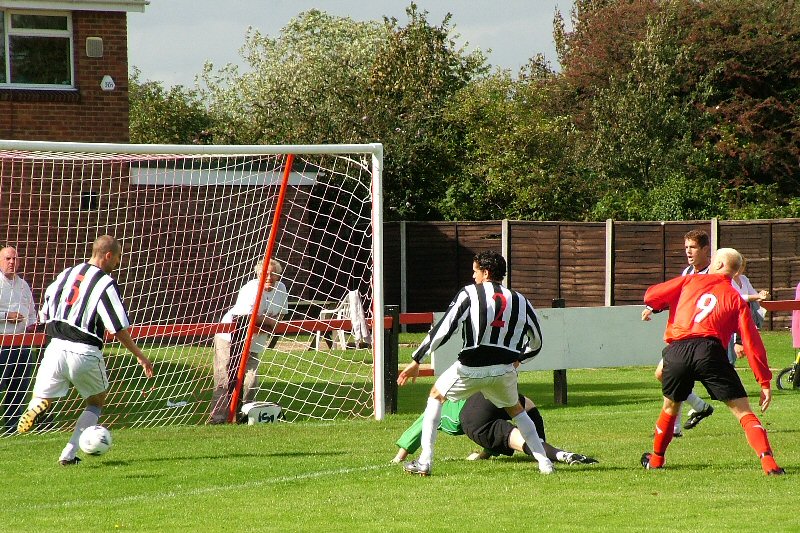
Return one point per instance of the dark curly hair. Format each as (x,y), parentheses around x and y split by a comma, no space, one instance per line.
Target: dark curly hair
(492,262)
(697,235)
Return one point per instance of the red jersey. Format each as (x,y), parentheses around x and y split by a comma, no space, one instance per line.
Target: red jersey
(708,306)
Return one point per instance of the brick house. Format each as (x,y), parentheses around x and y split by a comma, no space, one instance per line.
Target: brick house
(64,69)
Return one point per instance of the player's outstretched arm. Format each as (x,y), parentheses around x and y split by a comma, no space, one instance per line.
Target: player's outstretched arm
(124,337)
(410,372)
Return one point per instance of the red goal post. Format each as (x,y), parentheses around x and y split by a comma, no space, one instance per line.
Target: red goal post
(193,220)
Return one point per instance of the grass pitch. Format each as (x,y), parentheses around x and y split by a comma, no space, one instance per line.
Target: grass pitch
(336,476)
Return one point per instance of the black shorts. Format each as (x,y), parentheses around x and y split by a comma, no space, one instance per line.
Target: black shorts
(489,426)
(701,359)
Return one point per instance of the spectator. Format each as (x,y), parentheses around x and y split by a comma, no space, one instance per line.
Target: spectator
(17,315)
(226,365)
(749,295)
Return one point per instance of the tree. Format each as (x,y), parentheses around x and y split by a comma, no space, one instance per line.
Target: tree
(327,79)
(306,86)
(415,74)
(516,158)
(640,143)
(750,52)
(677,100)
(166,116)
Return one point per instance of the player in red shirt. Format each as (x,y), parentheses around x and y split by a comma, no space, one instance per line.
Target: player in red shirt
(704,311)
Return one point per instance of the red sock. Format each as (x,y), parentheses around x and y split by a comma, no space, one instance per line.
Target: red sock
(665,428)
(758,440)
(756,434)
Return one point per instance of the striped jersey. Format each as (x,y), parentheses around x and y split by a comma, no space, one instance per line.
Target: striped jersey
(81,304)
(690,269)
(500,326)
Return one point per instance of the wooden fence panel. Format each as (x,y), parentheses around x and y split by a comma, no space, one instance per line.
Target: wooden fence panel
(639,252)
(391,263)
(785,266)
(583,259)
(549,260)
(433,258)
(533,261)
(473,238)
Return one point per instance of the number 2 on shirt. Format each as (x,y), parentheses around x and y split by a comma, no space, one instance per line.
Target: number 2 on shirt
(502,303)
(705,304)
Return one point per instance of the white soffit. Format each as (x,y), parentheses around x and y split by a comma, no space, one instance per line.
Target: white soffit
(77,5)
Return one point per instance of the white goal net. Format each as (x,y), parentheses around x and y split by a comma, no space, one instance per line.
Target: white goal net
(194,221)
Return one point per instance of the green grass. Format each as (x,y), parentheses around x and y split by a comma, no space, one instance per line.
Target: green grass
(335,476)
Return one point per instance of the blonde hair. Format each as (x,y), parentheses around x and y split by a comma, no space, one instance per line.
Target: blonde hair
(731,259)
(105,244)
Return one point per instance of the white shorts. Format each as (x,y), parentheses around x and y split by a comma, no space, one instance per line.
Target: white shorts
(66,363)
(498,384)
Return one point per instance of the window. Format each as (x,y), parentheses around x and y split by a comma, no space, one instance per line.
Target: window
(36,50)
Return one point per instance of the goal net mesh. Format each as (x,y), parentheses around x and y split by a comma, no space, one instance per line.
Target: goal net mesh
(193,226)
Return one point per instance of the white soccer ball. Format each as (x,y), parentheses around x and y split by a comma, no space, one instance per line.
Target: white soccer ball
(95,440)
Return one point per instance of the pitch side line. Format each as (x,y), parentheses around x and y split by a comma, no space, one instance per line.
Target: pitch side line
(204,490)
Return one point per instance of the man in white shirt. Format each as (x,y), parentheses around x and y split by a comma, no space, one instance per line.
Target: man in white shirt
(17,315)
(271,309)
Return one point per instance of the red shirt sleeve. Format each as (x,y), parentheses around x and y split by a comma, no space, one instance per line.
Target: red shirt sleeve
(665,296)
(754,347)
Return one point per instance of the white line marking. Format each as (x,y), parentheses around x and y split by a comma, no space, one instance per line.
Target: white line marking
(202,490)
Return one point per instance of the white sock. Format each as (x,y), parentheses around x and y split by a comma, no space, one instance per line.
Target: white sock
(531,436)
(696,402)
(89,417)
(430,424)
(677,427)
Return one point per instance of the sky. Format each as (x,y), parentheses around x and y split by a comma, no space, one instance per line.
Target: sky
(172,39)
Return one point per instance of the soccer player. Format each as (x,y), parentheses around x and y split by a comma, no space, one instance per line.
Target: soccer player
(500,330)
(697,247)
(489,427)
(704,311)
(79,306)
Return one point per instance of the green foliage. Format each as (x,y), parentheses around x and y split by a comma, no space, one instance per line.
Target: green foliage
(415,74)
(305,86)
(639,139)
(700,97)
(166,116)
(515,160)
(329,79)
(760,201)
(663,109)
(750,51)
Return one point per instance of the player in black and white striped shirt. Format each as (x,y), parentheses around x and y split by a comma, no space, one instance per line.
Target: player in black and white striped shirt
(79,307)
(500,330)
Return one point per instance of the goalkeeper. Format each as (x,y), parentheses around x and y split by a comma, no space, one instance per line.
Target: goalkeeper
(272,308)
(489,427)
